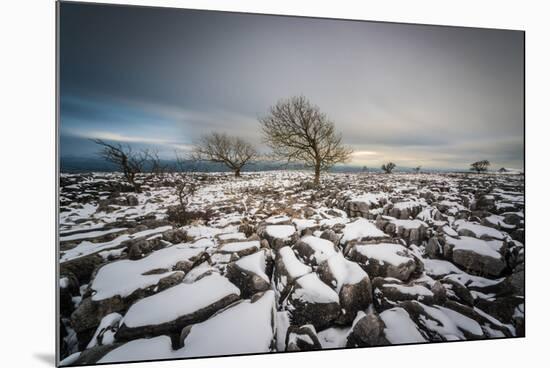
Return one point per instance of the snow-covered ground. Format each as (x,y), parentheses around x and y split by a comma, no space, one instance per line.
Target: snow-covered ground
(266,263)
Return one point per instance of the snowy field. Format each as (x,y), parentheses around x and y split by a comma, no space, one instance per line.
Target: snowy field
(268,263)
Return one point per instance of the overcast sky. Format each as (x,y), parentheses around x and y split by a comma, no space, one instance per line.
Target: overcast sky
(440,97)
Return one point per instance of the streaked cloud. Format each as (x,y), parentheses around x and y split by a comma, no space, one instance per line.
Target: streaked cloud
(438,97)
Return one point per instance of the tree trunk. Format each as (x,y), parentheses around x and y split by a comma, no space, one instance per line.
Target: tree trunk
(237,172)
(317,174)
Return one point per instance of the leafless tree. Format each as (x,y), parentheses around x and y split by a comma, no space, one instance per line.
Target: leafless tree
(185,187)
(129,162)
(157,168)
(233,152)
(480,166)
(388,168)
(297,131)
(417,169)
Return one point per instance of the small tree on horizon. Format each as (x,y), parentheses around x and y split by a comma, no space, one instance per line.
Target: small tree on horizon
(417,169)
(128,161)
(480,166)
(297,131)
(233,152)
(388,168)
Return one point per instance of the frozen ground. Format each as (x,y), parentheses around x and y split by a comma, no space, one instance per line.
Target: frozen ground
(269,263)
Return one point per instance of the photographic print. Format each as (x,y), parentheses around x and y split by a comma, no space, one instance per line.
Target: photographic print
(237,183)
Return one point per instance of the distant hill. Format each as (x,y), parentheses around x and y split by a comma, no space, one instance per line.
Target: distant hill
(71,164)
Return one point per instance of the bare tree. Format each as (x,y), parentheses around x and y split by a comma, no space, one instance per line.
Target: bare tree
(129,162)
(185,187)
(157,168)
(417,169)
(297,131)
(480,166)
(388,168)
(233,152)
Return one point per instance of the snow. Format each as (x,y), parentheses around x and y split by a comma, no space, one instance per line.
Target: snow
(232,236)
(108,336)
(360,229)
(240,329)
(478,246)
(478,230)
(449,323)
(254,263)
(277,219)
(406,224)
(178,301)
(90,234)
(201,231)
(125,276)
(243,328)
(393,254)
(419,290)
(239,246)
(400,329)
(372,199)
(323,249)
(407,205)
(293,266)
(282,323)
(313,290)
(159,347)
(333,337)
(302,224)
(345,272)
(280,231)
(71,359)
(86,247)
(438,267)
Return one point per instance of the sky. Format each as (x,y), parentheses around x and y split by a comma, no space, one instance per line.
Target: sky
(439,97)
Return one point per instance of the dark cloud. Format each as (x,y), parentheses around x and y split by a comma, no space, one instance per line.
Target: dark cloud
(436,96)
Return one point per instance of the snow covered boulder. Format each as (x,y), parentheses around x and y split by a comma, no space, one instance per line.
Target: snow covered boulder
(237,249)
(413,231)
(361,229)
(483,257)
(360,205)
(405,209)
(243,328)
(434,247)
(442,323)
(177,307)
(330,235)
(82,268)
(278,236)
(400,328)
(350,282)
(475,230)
(313,250)
(367,330)
(311,301)
(68,288)
(249,274)
(287,269)
(302,338)
(385,260)
(105,333)
(389,292)
(454,290)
